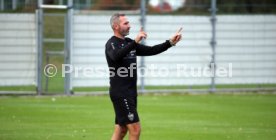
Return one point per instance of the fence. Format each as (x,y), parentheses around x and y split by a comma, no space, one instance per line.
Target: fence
(244,48)
(18,49)
(248,42)
(246,45)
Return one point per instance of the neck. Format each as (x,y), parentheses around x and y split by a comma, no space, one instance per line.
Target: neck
(118,35)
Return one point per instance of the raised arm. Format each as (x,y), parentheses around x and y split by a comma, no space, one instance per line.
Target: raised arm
(142,50)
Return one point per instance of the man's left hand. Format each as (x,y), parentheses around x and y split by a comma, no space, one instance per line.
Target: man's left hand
(176,37)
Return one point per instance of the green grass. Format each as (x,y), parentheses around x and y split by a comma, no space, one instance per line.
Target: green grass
(171,117)
(17,88)
(236,86)
(54,26)
(56,86)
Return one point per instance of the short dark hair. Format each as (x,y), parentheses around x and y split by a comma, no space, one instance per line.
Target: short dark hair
(115,19)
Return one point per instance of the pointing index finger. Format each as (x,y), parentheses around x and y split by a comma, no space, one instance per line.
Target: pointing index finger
(179,30)
(141,29)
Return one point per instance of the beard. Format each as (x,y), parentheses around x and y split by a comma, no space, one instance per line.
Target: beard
(124,32)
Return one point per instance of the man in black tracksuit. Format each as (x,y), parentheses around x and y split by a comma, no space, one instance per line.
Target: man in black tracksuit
(121,55)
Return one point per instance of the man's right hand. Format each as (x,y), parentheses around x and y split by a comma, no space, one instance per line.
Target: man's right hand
(140,35)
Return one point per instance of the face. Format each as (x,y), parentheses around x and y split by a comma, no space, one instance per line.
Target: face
(124,26)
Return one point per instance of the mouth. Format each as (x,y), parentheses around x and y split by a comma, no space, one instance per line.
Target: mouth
(127,31)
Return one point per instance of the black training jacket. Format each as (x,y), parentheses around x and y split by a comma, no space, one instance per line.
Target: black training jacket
(121,56)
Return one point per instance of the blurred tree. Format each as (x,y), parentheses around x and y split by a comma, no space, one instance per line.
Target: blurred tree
(197,2)
(196,6)
(117,4)
(49,1)
(190,6)
(230,6)
(246,6)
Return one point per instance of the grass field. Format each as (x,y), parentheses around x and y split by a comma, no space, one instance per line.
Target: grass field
(163,117)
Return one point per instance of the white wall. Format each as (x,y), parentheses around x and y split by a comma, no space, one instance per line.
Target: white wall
(17,49)
(246,42)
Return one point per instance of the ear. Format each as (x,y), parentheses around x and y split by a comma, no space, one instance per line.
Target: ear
(116,26)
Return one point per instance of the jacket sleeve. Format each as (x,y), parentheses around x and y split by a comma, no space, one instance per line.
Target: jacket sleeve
(142,50)
(115,53)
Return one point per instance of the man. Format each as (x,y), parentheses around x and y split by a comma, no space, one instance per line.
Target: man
(121,55)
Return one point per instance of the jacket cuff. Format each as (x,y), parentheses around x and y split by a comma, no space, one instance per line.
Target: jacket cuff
(168,43)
